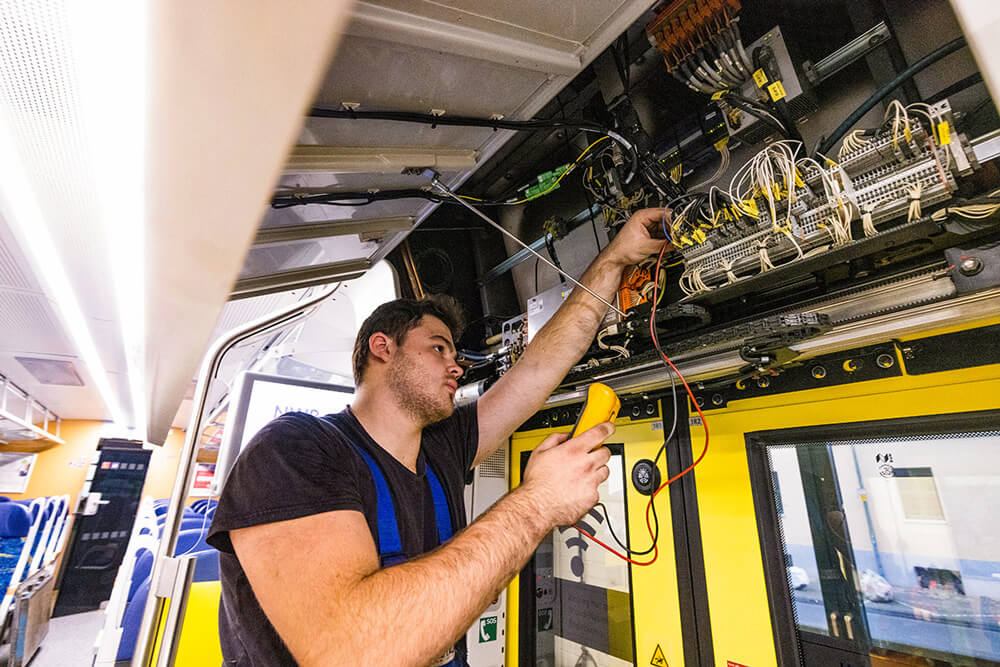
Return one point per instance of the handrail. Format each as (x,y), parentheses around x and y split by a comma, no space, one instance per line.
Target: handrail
(188,459)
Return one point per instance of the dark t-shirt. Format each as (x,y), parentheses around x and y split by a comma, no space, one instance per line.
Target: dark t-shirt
(299,465)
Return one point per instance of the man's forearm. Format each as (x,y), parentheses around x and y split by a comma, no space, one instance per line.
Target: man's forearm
(411,613)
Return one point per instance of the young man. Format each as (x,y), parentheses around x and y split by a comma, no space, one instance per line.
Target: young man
(305,576)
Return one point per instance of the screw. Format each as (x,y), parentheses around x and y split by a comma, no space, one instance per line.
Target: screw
(763,383)
(717,399)
(818,372)
(970,266)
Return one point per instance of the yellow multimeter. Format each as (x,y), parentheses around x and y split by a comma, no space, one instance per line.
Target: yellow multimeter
(602,405)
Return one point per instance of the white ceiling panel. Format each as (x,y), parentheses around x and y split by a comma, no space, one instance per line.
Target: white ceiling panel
(14,272)
(571,23)
(380,74)
(29,325)
(66,402)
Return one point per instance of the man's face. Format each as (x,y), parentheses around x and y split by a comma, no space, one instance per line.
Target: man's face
(423,374)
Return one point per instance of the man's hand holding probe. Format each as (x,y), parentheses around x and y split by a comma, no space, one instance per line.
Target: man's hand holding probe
(563,474)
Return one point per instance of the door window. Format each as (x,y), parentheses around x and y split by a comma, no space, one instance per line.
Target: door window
(892,547)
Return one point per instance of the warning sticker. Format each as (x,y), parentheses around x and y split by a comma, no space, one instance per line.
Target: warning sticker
(760,78)
(776,90)
(730,663)
(658,660)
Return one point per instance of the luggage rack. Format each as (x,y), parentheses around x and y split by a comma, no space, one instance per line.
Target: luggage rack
(20,425)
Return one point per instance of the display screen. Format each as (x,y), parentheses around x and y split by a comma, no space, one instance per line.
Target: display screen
(259,398)
(269,399)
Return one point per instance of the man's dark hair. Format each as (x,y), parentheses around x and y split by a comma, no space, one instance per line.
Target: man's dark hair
(396,318)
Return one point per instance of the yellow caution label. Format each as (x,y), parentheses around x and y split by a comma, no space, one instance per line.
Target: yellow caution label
(721,143)
(658,659)
(760,78)
(944,134)
(719,94)
(776,91)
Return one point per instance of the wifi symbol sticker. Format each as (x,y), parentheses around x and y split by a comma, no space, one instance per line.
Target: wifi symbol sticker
(577,540)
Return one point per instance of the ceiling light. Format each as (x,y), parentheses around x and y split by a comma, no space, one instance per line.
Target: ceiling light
(72,127)
(109,42)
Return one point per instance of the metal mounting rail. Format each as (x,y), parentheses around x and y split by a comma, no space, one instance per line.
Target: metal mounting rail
(165,566)
(651,376)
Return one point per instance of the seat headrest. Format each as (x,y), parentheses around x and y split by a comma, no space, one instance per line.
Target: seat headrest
(15,520)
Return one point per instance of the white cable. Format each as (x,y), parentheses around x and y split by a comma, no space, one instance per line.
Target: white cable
(914,193)
(620,349)
(720,170)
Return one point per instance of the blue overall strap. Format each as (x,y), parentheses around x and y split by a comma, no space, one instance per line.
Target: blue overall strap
(441,512)
(389,543)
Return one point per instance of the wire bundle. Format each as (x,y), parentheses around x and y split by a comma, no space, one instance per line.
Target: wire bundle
(973,209)
(775,176)
(701,44)
(854,141)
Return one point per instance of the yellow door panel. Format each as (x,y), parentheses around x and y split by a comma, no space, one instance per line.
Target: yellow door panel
(740,616)
(654,602)
(199,641)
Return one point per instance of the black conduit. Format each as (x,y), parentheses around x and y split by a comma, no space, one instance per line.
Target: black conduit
(884,91)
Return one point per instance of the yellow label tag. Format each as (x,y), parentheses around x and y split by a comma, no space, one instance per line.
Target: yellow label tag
(760,78)
(907,134)
(698,235)
(776,90)
(944,134)
(750,206)
(719,94)
(799,183)
(721,143)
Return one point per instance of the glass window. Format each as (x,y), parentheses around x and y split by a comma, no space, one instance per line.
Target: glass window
(892,545)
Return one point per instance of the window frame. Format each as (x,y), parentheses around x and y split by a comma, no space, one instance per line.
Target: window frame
(779,597)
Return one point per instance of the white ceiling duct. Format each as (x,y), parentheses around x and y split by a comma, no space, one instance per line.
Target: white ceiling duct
(229,83)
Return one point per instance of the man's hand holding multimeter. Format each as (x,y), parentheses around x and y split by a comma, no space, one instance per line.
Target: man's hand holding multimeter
(601,405)
(564,471)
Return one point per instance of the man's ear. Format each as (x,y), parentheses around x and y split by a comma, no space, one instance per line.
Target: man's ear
(381,346)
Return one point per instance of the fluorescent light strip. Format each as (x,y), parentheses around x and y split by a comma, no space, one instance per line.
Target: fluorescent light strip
(25,215)
(109,53)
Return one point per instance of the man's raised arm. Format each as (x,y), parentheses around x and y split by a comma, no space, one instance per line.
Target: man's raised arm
(566,336)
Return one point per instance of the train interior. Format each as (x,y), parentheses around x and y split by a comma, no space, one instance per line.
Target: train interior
(199,209)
